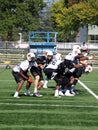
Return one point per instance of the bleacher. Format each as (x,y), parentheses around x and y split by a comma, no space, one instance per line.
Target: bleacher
(11,57)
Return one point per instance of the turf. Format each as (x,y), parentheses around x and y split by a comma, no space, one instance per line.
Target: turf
(48,113)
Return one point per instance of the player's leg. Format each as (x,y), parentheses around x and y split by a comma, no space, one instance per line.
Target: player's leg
(19,86)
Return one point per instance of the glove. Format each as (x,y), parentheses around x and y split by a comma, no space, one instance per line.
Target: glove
(30,80)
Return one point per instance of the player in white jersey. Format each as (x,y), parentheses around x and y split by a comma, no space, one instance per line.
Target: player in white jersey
(20,73)
(50,70)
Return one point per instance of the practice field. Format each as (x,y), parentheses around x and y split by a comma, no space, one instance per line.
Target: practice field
(48,113)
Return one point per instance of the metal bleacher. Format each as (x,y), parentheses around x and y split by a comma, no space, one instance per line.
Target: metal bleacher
(11,57)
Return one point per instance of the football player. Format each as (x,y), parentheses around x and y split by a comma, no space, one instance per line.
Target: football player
(36,71)
(64,78)
(49,57)
(51,68)
(21,74)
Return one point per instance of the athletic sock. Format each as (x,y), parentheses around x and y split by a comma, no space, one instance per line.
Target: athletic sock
(56,92)
(16,94)
(35,90)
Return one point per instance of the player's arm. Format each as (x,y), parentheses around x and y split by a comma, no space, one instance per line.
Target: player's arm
(22,74)
(77,65)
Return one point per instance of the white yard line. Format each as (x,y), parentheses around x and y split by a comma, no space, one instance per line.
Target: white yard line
(88,89)
(50,105)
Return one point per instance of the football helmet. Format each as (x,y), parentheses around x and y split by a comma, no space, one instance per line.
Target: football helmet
(88,69)
(58,56)
(49,53)
(68,57)
(76,49)
(30,56)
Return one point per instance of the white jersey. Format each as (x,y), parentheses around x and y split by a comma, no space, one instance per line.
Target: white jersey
(54,64)
(24,65)
(72,56)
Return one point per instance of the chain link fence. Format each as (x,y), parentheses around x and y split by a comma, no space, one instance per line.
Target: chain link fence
(11,53)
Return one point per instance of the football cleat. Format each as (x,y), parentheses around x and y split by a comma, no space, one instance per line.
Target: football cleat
(72,92)
(57,96)
(37,95)
(61,93)
(16,97)
(45,86)
(27,93)
(67,93)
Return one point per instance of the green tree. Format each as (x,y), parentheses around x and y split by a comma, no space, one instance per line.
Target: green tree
(68,20)
(19,16)
(69,3)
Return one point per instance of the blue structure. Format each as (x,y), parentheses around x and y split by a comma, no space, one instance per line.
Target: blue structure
(39,42)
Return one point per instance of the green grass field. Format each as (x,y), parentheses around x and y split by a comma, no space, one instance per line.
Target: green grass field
(48,113)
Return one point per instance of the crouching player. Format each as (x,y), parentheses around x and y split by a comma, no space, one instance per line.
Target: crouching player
(36,71)
(64,78)
(21,74)
(50,69)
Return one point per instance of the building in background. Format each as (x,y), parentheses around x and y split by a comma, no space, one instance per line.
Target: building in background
(88,34)
(82,35)
(93,34)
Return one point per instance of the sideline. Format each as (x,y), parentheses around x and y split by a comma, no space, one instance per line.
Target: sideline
(50,105)
(89,90)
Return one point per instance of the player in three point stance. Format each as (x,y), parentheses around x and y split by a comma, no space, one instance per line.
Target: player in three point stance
(21,74)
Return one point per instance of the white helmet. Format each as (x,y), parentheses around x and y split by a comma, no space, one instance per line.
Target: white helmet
(30,55)
(88,68)
(76,49)
(58,56)
(68,57)
(49,53)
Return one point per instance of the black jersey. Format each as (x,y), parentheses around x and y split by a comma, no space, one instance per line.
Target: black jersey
(41,60)
(64,67)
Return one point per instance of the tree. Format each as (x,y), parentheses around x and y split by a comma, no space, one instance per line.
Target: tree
(68,20)
(19,16)
(69,3)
